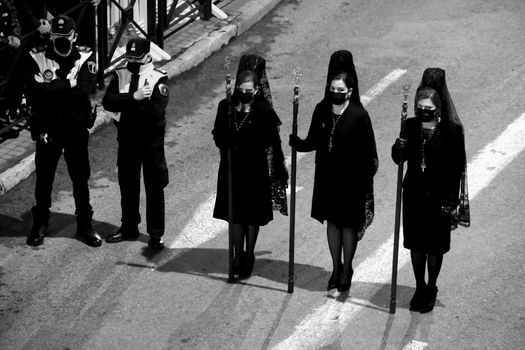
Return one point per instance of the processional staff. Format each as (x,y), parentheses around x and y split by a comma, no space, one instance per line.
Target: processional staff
(298,76)
(231,276)
(397,224)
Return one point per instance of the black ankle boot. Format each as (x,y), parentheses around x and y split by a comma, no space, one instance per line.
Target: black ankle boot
(417,300)
(429,299)
(85,230)
(39,228)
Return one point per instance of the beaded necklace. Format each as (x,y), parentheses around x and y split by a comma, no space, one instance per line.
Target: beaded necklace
(335,120)
(424,138)
(238,126)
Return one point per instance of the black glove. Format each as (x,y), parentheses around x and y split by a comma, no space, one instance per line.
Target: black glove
(399,150)
(294,141)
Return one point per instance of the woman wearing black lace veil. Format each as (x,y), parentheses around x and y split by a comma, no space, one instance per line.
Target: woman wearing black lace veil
(435,198)
(250,128)
(346,161)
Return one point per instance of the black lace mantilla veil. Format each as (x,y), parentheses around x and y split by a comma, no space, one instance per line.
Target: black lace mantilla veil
(274,153)
(343,61)
(435,78)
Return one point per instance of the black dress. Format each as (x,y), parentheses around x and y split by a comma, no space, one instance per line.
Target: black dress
(344,172)
(249,137)
(426,227)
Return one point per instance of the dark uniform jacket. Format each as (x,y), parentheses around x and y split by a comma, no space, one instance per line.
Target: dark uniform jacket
(139,120)
(57,106)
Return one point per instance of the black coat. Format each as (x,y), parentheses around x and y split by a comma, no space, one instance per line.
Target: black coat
(252,192)
(344,175)
(426,227)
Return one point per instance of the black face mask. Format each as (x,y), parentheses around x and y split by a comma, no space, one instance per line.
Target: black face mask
(62,45)
(426,115)
(134,67)
(338,98)
(245,97)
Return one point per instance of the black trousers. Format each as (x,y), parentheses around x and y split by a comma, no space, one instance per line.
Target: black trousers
(75,148)
(148,157)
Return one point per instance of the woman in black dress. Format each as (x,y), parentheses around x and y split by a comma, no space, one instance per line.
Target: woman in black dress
(250,128)
(346,162)
(434,185)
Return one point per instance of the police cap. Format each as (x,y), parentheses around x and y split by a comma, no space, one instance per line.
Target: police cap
(137,48)
(62,25)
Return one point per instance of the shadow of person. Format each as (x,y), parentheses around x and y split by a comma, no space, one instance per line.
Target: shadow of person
(213,263)
(60,225)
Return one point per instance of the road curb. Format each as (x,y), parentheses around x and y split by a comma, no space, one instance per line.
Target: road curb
(201,49)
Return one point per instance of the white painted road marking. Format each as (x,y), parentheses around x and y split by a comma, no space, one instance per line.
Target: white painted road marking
(415,345)
(319,328)
(203,227)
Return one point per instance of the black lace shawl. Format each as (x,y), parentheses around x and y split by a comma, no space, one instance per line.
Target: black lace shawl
(274,153)
(435,78)
(343,61)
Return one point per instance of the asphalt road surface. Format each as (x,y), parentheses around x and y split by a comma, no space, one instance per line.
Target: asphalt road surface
(66,295)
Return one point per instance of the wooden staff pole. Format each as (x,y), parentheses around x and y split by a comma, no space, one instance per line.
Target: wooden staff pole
(229,159)
(293,184)
(397,224)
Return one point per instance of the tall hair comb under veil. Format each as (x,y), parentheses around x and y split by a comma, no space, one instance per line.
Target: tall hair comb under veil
(256,64)
(274,153)
(435,78)
(343,61)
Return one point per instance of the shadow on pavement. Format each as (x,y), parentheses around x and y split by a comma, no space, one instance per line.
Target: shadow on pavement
(60,225)
(213,262)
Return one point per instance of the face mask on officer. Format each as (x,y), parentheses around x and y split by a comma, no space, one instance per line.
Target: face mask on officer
(134,64)
(62,44)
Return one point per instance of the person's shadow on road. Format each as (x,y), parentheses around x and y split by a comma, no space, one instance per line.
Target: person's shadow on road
(60,225)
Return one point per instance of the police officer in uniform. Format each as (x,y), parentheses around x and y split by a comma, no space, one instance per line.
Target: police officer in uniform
(139,92)
(60,80)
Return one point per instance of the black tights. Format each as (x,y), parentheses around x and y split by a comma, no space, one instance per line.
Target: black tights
(419,260)
(240,232)
(342,240)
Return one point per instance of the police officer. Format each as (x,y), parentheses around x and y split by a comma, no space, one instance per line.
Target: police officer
(60,79)
(140,93)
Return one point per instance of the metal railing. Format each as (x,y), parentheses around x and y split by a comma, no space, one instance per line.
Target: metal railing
(116,19)
(159,18)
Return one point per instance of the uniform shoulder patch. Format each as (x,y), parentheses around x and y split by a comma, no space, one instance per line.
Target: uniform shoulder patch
(92,67)
(84,48)
(163,71)
(164,90)
(38,49)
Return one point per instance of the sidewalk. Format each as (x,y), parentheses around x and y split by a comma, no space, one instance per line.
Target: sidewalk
(188,48)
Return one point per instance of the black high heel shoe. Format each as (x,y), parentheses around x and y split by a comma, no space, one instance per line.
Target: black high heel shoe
(238,264)
(344,287)
(248,265)
(333,282)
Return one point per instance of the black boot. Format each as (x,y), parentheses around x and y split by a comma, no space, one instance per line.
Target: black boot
(156,243)
(85,230)
(39,228)
(124,233)
(429,299)
(419,297)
